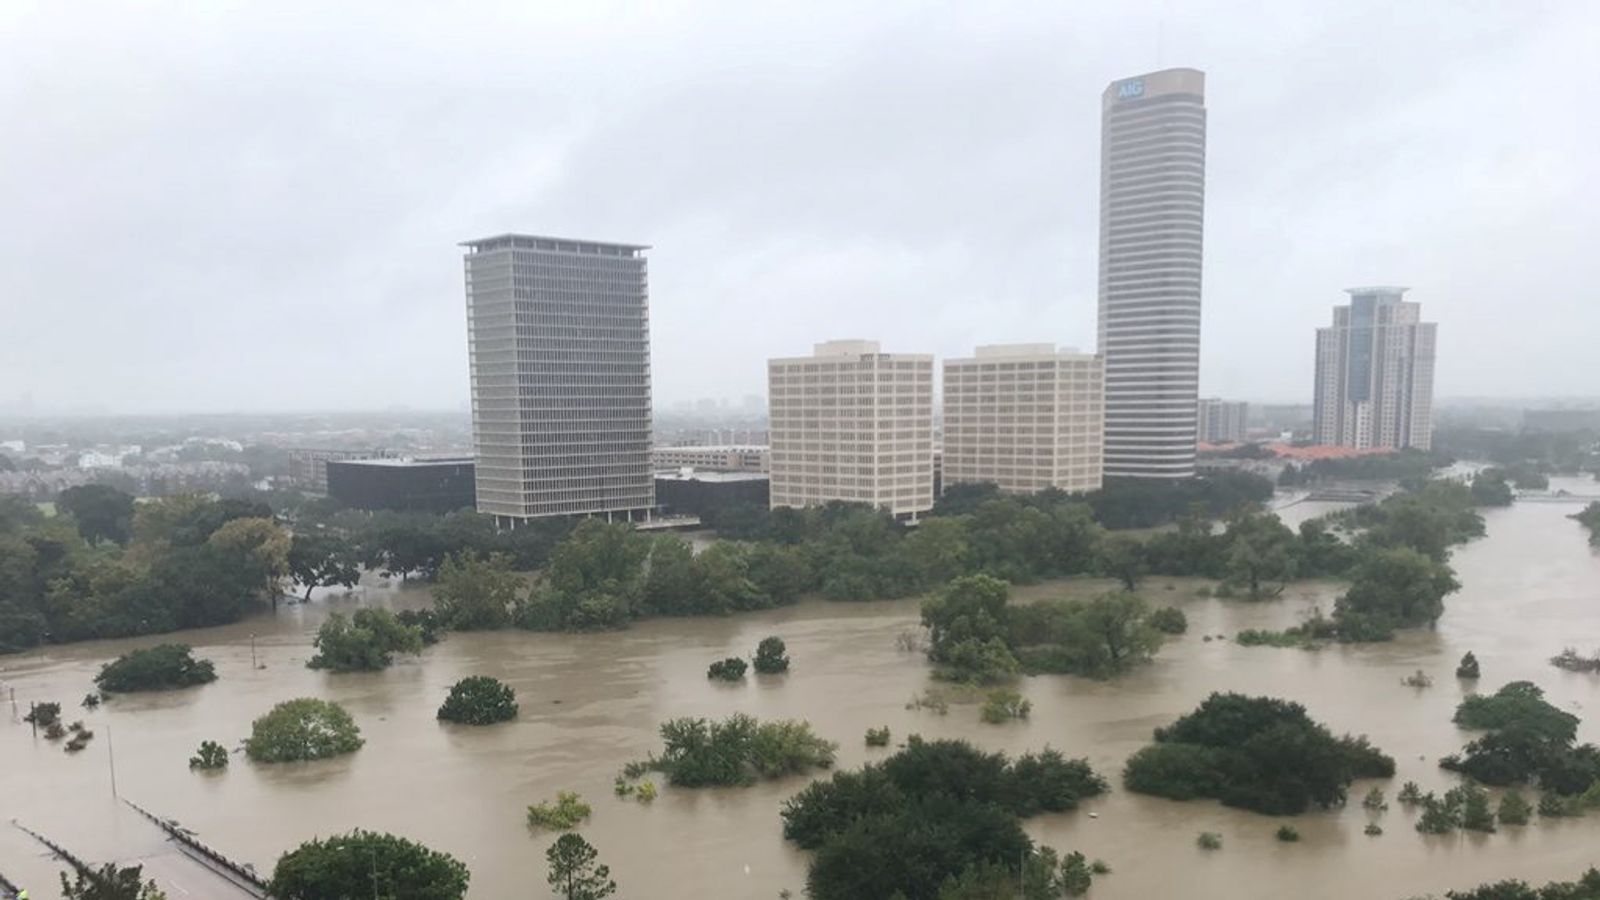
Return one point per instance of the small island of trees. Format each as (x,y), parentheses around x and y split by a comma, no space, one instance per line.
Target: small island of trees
(364,642)
(1528,740)
(302,729)
(161,668)
(368,864)
(1256,753)
(735,751)
(479,700)
(936,815)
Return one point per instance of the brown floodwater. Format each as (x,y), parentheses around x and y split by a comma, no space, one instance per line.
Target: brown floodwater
(591,703)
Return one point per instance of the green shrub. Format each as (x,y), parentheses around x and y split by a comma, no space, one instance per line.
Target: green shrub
(1100,867)
(1374,800)
(211,755)
(302,729)
(562,815)
(479,700)
(368,864)
(1004,705)
(1553,805)
(1469,666)
(1209,840)
(737,750)
(730,669)
(772,657)
(1373,829)
(878,737)
(1287,834)
(1169,620)
(44,714)
(161,668)
(1075,875)
(646,792)
(1410,794)
(364,642)
(1256,753)
(1514,809)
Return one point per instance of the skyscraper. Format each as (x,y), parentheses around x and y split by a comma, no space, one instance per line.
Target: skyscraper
(852,423)
(558,334)
(1152,206)
(1025,417)
(1375,373)
(1222,421)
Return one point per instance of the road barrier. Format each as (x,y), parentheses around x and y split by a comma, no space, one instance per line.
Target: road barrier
(242,875)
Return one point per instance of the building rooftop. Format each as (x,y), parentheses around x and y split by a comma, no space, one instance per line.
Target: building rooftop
(687,474)
(546,242)
(406,461)
(712,448)
(1377,289)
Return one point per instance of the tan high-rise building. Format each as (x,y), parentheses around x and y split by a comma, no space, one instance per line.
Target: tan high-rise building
(1375,373)
(852,423)
(1025,417)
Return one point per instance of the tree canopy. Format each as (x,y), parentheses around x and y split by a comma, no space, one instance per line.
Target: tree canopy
(368,864)
(160,668)
(302,729)
(1257,753)
(363,642)
(479,700)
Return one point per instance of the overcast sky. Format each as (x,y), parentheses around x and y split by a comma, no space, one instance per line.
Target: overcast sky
(215,206)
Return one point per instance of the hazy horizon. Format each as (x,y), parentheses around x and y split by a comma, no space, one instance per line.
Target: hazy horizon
(257,208)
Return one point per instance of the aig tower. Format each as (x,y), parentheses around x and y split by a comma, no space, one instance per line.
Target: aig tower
(1152,213)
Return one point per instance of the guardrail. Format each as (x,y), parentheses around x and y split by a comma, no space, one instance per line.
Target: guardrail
(243,875)
(57,849)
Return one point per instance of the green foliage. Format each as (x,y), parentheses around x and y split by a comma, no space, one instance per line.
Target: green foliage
(1489,488)
(364,642)
(1573,661)
(1374,800)
(1410,794)
(1585,888)
(1039,879)
(211,755)
(737,750)
(878,737)
(160,668)
(1261,550)
(1100,638)
(1397,588)
(1123,557)
(593,581)
(575,870)
(1003,706)
(966,629)
(368,864)
(730,669)
(476,593)
(1209,840)
(1373,829)
(772,657)
(564,814)
(1514,809)
(110,882)
(1256,753)
(1468,667)
(1439,816)
(323,560)
(1589,517)
(43,714)
(1406,465)
(302,729)
(1169,620)
(1475,812)
(917,822)
(1287,834)
(1528,740)
(479,700)
(429,624)
(102,513)
(1555,806)
(1075,875)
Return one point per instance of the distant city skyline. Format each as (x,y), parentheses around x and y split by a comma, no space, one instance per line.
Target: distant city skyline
(228,217)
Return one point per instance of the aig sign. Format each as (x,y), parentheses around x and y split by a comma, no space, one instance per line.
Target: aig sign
(1131,90)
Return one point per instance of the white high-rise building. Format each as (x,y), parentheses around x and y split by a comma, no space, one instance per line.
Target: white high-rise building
(852,423)
(1152,213)
(1222,421)
(558,334)
(1375,373)
(1025,417)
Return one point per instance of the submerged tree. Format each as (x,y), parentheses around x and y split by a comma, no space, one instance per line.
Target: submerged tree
(479,700)
(302,729)
(368,864)
(772,656)
(575,870)
(1468,667)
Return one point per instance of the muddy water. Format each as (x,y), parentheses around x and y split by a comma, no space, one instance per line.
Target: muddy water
(591,702)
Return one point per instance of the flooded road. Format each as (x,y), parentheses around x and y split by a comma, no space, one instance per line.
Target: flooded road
(591,703)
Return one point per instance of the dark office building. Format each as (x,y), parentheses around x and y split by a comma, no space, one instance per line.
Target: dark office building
(437,485)
(703,494)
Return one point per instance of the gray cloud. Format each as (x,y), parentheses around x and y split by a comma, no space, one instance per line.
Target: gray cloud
(212,207)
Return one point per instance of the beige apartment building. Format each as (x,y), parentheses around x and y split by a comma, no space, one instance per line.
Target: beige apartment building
(852,423)
(1025,417)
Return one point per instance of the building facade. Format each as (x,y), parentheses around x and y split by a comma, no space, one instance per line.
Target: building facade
(1375,374)
(558,337)
(1025,417)
(1152,212)
(852,423)
(1221,421)
(308,466)
(709,494)
(748,458)
(435,485)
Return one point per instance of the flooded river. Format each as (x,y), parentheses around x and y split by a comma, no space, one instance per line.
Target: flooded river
(590,703)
